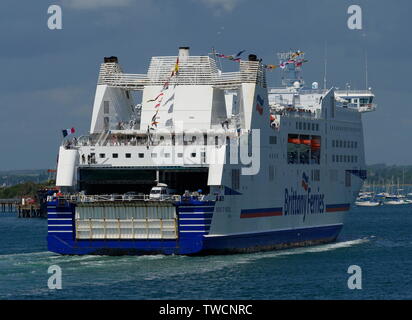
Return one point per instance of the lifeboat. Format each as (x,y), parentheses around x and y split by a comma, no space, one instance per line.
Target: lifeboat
(294,140)
(306,141)
(315,144)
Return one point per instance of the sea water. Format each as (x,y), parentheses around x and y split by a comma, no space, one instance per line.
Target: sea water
(377,239)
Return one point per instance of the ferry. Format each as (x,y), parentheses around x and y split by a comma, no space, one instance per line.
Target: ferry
(208,161)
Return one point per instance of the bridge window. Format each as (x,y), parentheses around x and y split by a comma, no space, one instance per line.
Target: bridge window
(364,101)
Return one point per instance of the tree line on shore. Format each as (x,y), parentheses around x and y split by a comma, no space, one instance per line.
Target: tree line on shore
(26,189)
(381,174)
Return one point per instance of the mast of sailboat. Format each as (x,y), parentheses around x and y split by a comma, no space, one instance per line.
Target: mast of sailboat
(326,62)
(366,70)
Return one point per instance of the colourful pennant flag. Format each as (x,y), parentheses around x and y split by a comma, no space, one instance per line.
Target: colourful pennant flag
(270,66)
(232,57)
(240,53)
(155,115)
(296,54)
(159,95)
(175,71)
(300,62)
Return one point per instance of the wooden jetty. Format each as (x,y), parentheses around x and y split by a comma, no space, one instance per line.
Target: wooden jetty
(27,210)
(9,205)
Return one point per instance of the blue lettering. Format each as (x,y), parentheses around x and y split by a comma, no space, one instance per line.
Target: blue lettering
(302,204)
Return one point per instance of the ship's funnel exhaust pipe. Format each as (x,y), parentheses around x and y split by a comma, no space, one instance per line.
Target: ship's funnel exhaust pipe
(183,52)
(111,59)
(252,57)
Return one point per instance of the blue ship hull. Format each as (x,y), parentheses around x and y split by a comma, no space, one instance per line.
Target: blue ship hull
(191,239)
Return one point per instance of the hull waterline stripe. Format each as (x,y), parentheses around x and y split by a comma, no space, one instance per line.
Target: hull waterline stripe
(194,231)
(57,213)
(259,213)
(60,225)
(195,225)
(197,219)
(337,207)
(53,231)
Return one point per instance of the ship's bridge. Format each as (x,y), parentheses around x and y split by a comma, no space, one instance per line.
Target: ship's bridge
(361,100)
(295,99)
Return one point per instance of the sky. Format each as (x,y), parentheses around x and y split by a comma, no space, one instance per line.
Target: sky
(48,77)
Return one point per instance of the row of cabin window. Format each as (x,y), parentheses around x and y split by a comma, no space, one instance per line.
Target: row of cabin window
(307,126)
(141,155)
(348,129)
(344,144)
(344,158)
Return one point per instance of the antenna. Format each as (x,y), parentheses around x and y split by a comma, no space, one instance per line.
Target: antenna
(366,69)
(291,64)
(326,63)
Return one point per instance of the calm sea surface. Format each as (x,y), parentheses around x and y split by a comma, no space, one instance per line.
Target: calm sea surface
(379,240)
